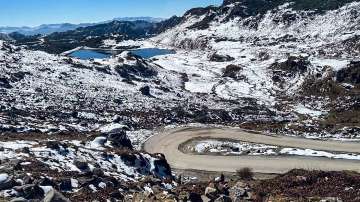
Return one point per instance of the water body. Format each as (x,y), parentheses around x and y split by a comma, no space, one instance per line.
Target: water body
(152,52)
(89,54)
(99,54)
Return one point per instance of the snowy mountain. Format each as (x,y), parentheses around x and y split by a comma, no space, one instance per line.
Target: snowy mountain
(278,53)
(284,67)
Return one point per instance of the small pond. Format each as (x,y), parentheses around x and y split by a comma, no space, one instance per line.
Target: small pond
(151,52)
(89,54)
(101,54)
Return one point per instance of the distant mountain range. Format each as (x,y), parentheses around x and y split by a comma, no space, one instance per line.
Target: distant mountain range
(63,27)
(93,36)
(43,29)
(147,19)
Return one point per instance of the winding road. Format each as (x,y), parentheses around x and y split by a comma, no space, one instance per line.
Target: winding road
(168,141)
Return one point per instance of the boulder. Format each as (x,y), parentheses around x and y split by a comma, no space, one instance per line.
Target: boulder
(211,193)
(145,90)
(46,182)
(223,188)
(26,150)
(27,179)
(293,65)
(232,71)
(7,182)
(119,139)
(221,58)
(98,172)
(53,145)
(65,185)
(4,83)
(263,56)
(81,164)
(31,191)
(162,168)
(139,69)
(4,177)
(55,196)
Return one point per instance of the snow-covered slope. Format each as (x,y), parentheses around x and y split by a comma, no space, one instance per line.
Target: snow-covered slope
(275,56)
(43,94)
(258,41)
(283,67)
(39,84)
(47,93)
(282,25)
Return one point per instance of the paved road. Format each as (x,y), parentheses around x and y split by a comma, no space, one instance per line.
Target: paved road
(168,141)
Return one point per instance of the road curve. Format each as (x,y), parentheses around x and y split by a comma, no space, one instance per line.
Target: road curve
(168,141)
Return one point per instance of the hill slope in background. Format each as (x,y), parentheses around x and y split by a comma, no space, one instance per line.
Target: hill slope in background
(92,36)
(63,27)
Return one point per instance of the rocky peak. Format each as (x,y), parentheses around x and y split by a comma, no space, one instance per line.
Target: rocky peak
(227,2)
(261,6)
(200,11)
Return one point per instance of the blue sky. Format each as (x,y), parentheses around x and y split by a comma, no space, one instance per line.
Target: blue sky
(36,12)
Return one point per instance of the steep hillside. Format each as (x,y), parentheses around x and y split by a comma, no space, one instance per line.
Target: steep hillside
(273,24)
(291,55)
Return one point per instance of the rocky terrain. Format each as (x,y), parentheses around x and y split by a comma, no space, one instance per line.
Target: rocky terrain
(49,93)
(290,57)
(73,129)
(83,168)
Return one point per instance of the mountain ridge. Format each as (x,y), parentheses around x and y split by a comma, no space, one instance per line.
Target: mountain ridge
(92,36)
(45,29)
